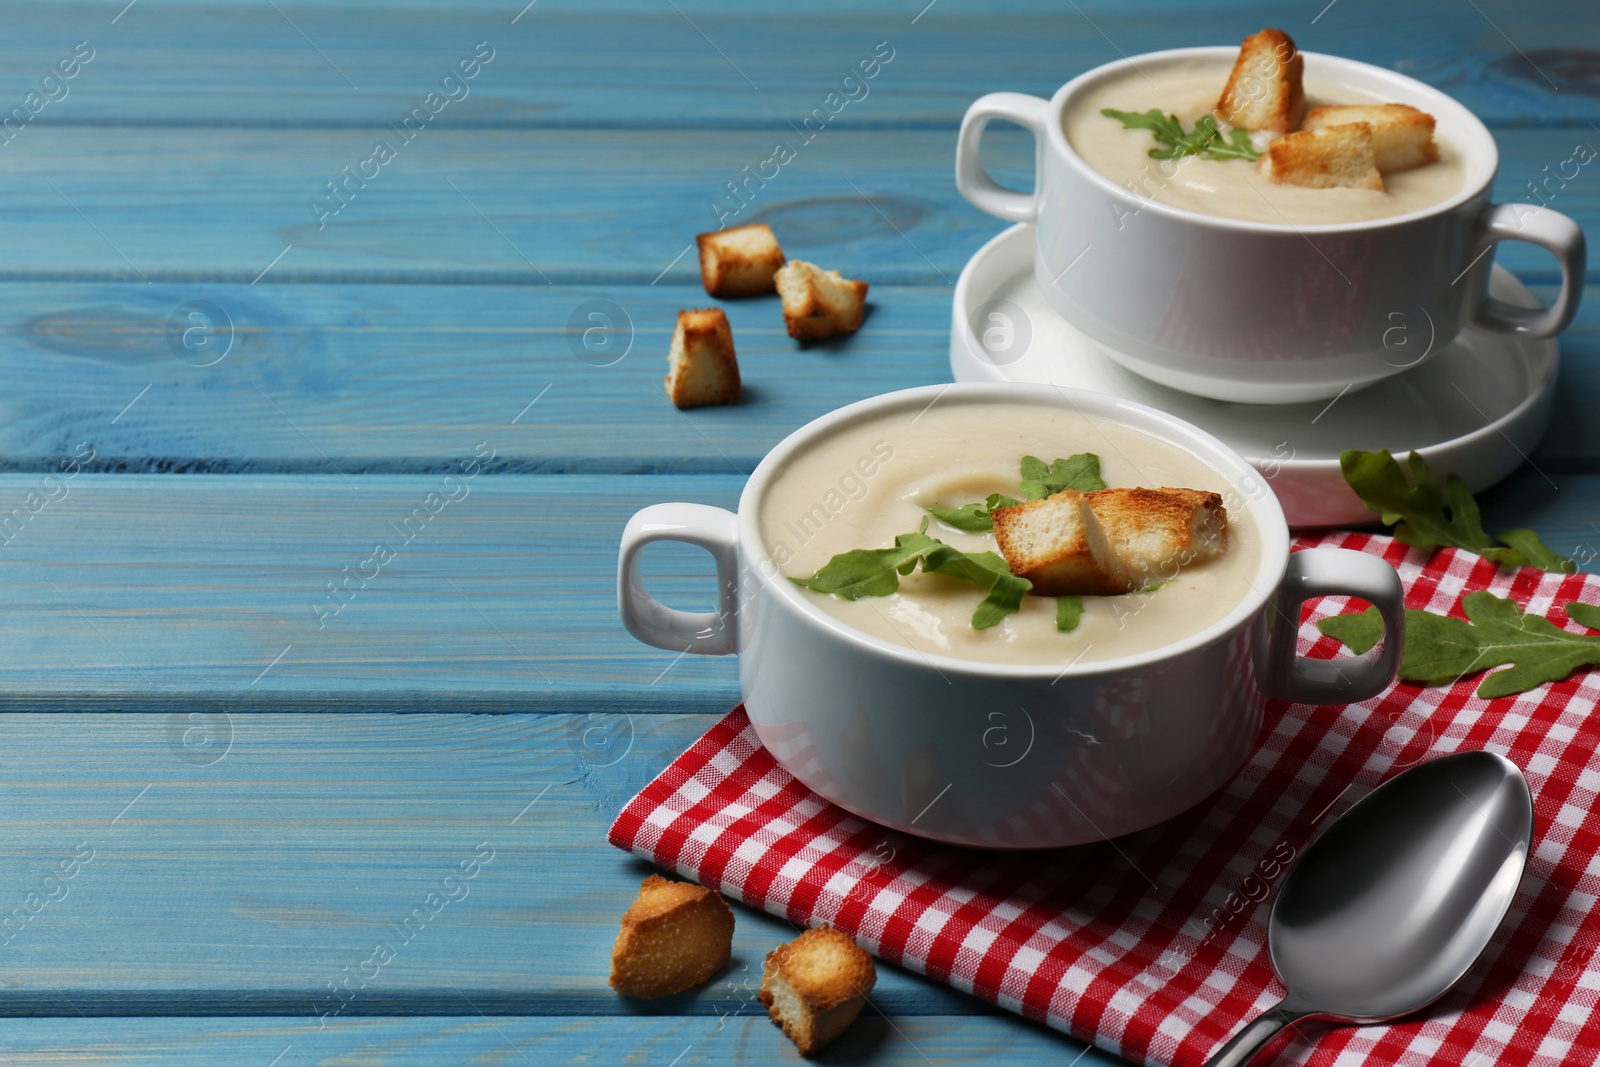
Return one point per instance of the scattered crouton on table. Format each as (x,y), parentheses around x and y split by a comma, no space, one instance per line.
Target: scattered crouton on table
(702,366)
(675,936)
(818,303)
(815,986)
(741,261)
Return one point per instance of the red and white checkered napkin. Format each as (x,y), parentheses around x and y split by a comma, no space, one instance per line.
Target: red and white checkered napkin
(1153,946)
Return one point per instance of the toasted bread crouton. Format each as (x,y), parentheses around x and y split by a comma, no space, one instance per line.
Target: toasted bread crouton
(1402,136)
(815,986)
(675,936)
(818,303)
(703,368)
(1058,545)
(1158,532)
(740,261)
(1264,90)
(1330,158)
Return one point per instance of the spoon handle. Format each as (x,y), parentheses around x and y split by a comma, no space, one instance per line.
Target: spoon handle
(1244,1045)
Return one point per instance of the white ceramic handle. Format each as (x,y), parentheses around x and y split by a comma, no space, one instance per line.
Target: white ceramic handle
(1550,230)
(1317,572)
(709,633)
(981,191)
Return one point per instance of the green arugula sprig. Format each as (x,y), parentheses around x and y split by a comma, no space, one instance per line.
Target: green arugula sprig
(1206,139)
(1427,515)
(974,517)
(1080,472)
(1440,650)
(1069,612)
(872,572)
(1039,480)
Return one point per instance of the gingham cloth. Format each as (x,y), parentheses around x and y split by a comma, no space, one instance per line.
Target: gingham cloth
(1153,946)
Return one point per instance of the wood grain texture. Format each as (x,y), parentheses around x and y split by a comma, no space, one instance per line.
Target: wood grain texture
(323,379)
(156,591)
(531,207)
(153,592)
(242,855)
(240,862)
(391,379)
(519,1041)
(566,64)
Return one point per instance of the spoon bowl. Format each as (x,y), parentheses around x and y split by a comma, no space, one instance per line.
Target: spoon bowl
(1390,906)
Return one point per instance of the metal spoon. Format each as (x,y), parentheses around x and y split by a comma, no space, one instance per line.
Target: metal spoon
(1386,910)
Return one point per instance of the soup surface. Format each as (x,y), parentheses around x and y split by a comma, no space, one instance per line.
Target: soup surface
(1235,188)
(873,481)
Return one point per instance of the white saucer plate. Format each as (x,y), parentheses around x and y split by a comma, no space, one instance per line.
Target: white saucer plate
(1477,408)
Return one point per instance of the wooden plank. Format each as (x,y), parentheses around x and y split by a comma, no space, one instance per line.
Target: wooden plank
(883,1041)
(238,863)
(154,591)
(408,379)
(475,206)
(525,207)
(151,592)
(247,64)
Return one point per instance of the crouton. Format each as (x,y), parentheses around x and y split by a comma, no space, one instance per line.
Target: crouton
(1058,545)
(675,936)
(818,303)
(1264,90)
(1157,532)
(1402,136)
(815,986)
(703,368)
(739,262)
(1329,158)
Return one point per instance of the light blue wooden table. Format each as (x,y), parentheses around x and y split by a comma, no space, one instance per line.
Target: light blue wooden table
(216,396)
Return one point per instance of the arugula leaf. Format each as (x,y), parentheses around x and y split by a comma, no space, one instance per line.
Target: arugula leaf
(871,572)
(1165,128)
(1441,650)
(1526,544)
(1584,615)
(987,569)
(1360,632)
(1236,145)
(973,517)
(864,572)
(1425,515)
(1538,650)
(1069,612)
(1080,472)
(1205,140)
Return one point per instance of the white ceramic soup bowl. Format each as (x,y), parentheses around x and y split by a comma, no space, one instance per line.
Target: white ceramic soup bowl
(1265,312)
(999,755)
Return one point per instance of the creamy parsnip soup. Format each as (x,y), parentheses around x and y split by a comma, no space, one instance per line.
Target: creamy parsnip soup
(876,481)
(1236,188)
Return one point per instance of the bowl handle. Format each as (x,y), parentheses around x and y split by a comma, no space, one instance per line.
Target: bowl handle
(1552,231)
(1318,572)
(1029,112)
(708,633)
